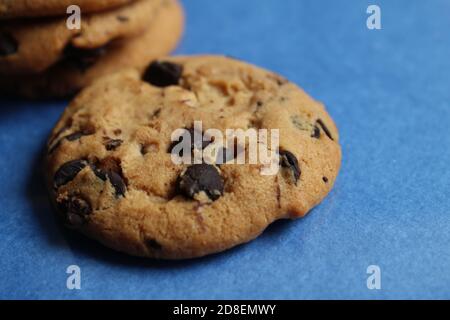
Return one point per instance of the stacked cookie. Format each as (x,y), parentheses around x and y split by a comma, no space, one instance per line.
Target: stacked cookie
(42,56)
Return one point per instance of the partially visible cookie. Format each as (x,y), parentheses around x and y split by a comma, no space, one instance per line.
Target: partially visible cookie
(41,8)
(35,45)
(68,76)
(112,177)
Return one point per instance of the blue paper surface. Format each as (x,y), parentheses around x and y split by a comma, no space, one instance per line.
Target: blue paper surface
(389,93)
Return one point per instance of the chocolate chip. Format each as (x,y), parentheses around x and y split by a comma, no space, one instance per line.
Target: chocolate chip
(288,160)
(152,244)
(76,209)
(112,144)
(117,182)
(67,172)
(83,58)
(201,178)
(163,74)
(325,179)
(143,149)
(316,132)
(8,45)
(195,144)
(98,172)
(73,136)
(324,128)
(104,170)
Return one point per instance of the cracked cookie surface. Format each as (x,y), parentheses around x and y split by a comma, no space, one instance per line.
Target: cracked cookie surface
(111,175)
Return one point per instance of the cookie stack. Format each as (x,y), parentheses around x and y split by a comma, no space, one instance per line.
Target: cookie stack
(42,56)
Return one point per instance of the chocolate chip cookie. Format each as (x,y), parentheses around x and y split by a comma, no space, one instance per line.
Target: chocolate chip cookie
(28,47)
(41,8)
(82,62)
(111,169)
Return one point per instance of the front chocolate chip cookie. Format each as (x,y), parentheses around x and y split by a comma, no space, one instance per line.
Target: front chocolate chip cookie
(118,175)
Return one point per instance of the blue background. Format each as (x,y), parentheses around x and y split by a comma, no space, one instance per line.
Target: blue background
(389,93)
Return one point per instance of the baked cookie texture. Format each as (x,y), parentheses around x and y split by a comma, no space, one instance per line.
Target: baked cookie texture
(42,43)
(41,8)
(130,36)
(110,171)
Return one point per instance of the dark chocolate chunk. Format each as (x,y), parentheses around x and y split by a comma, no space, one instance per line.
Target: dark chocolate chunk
(8,45)
(316,132)
(143,149)
(105,171)
(83,58)
(75,209)
(152,244)
(67,172)
(324,128)
(86,130)
(288,160)
(201,178)
(73,136)
(117,182)
(98,172)
(112,144)
(163,74)
(325,179)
